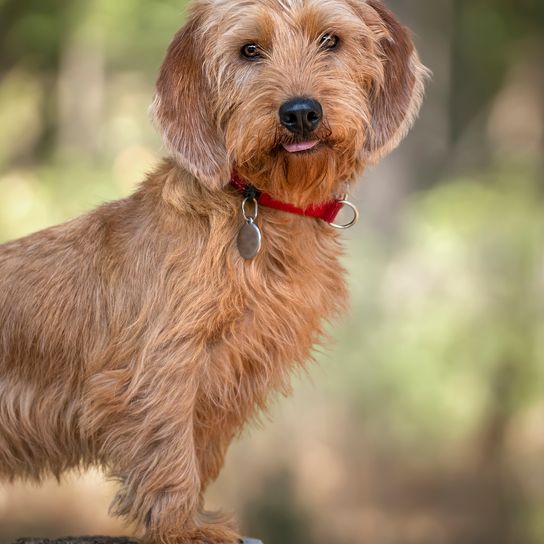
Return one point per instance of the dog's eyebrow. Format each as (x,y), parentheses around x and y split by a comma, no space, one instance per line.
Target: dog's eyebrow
(313,22)
(258,25)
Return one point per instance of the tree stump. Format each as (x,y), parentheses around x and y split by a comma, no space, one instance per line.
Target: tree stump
(78,540)
(97,540)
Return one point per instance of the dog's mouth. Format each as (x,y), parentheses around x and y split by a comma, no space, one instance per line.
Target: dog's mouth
(301,147)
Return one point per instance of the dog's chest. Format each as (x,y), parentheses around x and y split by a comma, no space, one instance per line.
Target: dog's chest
(270,313)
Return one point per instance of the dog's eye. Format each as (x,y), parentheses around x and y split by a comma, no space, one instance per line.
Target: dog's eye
(251,51)
(329,41)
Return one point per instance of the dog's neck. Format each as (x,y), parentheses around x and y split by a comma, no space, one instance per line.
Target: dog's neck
(182,190)
(327,211)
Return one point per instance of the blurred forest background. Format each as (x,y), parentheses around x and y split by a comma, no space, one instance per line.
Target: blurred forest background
(424,423)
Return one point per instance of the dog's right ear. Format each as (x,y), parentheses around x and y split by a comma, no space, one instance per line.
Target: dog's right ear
(396,98)
(183,108)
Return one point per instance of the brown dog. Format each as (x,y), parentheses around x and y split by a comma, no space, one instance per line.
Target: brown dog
(136,337)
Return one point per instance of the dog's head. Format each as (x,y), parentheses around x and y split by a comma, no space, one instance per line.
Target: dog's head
(297,95)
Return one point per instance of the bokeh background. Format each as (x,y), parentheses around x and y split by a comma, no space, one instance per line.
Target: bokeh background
(424,422)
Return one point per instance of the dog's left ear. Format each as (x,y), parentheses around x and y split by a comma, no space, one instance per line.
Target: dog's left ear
(395,100)
(183,109)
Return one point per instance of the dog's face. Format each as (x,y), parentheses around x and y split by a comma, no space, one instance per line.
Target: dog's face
(297,95)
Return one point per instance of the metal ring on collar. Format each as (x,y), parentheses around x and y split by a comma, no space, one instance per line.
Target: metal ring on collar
(355,219)
(256,209)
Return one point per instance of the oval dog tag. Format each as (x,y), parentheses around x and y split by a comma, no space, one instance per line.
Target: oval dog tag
(249,240)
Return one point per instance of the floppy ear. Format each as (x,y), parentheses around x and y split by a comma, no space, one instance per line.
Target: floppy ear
(183,109)
(395,100)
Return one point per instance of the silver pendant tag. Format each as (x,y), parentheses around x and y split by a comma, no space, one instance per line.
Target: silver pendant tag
(249,240)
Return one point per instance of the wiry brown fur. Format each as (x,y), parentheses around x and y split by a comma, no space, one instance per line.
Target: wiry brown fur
(135,337)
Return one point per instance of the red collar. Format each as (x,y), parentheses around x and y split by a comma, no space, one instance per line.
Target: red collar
(326,212)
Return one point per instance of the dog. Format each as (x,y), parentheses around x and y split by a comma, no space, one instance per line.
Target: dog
(142,336)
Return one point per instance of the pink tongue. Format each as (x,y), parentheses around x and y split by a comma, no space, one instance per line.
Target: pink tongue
(303,146)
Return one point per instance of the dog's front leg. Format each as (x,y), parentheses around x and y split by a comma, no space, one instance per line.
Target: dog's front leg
(145,423)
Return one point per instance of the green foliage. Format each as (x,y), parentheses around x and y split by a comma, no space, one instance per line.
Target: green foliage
(32,32)
(488,35)
(440,318)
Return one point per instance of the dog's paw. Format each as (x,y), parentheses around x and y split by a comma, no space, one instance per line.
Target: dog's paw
(213,534)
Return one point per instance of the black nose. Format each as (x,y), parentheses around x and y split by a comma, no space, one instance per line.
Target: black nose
(301,115)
